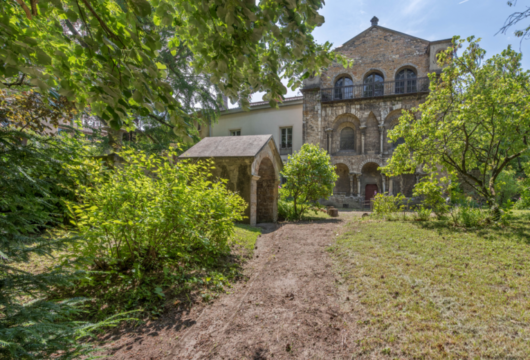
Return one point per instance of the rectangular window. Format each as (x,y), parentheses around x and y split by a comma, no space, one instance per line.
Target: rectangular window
(235,132)
(287,138)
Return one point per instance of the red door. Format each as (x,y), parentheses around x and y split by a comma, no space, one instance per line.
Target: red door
(370,192)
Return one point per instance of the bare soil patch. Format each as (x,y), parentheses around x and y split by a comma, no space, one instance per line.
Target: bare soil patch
(289,307)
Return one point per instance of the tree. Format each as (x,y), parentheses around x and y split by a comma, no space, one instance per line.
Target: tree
(475,121)
(104,53)
(33,184)
(310,177)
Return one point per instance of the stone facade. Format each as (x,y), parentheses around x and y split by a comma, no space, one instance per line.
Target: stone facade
(386,53)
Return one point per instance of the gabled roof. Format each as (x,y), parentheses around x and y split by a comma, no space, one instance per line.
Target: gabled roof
(228,146)
(382,28)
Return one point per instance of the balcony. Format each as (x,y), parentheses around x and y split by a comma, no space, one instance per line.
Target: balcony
(376,90)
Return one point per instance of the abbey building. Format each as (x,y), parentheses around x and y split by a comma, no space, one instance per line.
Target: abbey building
(349,112)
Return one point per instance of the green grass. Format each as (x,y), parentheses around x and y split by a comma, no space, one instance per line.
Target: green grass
(244,239)
(430,291)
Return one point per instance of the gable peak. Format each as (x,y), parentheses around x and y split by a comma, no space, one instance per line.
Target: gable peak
(374,21)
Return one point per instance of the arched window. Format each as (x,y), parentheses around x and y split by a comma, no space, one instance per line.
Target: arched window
(406,82)
(347,139)
(344,88)
(374,85)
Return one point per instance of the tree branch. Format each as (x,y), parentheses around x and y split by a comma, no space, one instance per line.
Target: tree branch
(16,83)
(26,9)
(161,121)
(101,22)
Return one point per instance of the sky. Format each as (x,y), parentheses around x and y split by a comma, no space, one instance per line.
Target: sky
(427,19)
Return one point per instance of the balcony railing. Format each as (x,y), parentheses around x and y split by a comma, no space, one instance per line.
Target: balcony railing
(388,88)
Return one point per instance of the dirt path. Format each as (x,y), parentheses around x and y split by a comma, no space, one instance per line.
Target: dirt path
(289,308)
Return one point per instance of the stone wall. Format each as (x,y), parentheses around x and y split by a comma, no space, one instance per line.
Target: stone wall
(237,172)
(266,192)
(380,50)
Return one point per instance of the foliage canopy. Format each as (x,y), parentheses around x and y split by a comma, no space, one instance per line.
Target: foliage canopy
(475,121)
(310,177)
(105,53)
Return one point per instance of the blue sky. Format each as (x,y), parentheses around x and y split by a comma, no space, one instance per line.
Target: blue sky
(426,19)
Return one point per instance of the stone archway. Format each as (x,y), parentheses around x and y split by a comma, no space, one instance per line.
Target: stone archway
(342,185)
(266,192)
(370,180)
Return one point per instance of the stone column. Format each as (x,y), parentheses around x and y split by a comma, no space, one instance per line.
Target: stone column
(329,136)
(351,184)
(275,202)
(382,133)
(363,134)
(383,183)
(358,184)
(254,199)
(390,186)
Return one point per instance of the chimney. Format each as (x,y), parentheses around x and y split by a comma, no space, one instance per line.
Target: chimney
(374,21)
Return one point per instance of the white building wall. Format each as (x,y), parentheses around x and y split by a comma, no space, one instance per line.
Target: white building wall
(263,120)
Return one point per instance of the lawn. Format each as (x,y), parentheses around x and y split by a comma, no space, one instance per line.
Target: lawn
(244,239)
(427,290)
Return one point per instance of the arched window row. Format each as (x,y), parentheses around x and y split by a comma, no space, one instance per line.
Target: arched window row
(374,85)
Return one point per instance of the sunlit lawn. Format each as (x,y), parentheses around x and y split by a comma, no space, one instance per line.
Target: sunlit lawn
(427,290)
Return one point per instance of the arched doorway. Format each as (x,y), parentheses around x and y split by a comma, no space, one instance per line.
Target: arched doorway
(342,185)
(371,181)
(266,192)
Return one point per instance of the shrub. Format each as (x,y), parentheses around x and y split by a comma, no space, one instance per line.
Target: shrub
(423,213)
(432,192)
(148,222)
(467,215)
(33,183)
(387,205)
(286,209)
(310,177)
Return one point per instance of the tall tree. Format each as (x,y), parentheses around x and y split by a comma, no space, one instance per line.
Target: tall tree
(103,53)
(475,121)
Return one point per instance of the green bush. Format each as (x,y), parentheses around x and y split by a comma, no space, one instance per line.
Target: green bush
(310,177)
(467,215)
(148,223)
(423,213)
(33,183)
(286,209)
(387,205)
(432,193)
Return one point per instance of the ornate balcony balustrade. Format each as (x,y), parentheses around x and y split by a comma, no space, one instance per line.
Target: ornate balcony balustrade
(374,90)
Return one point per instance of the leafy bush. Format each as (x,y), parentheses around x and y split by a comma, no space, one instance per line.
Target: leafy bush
(507,187)
(423,213)
(387,205)
(310,177)
(467,215)
(148,223)
(430,189)
(33,181)
(286,209)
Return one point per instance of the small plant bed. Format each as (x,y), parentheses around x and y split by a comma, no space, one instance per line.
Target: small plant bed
(427,290)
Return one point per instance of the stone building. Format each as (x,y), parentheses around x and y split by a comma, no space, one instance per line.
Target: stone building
(350,111)
(251,165)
